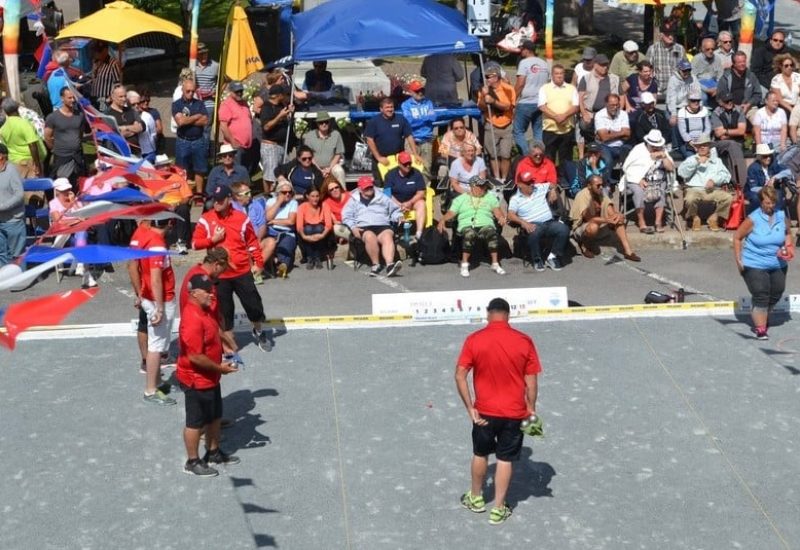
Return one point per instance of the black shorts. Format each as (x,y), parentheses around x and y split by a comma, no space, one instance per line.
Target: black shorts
(377,229)
(202,406)
(501,437)
(142,326)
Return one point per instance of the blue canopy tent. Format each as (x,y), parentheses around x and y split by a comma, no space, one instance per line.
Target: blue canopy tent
(349,29)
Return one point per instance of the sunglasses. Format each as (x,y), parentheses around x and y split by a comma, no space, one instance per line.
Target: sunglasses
(306,158)
(791,65)
(405,164)
(334,188)
(231,155)
(285,192)
(323,122)
(726,41)
(244,194)
(778,40)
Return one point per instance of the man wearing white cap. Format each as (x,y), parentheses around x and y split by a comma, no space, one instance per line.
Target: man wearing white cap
(623,64)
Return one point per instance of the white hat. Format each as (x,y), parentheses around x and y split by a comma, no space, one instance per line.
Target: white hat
(161,159)
(62,184)
(655,138)
(647,97)
(226,148)
(764,150)
(630,46)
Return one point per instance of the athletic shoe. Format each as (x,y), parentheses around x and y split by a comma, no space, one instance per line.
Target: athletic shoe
(88,280)
(761,333)
(142,368)
(262,339)
(499,515)
(375,271)
(554,263)
(498,269)
(318,263)
(473,504)
(538,265)
(164,387)
(465,270)
(80,270)
(282,271)
(181,249)
(218,457)
(199,468)
(392,269)
(159,398)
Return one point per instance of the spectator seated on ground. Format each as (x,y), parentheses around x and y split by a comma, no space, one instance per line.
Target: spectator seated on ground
(476,213)
(315,229)
(594,218)
(326,142)
(530,208)
(455,139)
(301,172)
(406,187)
(704,174)
(280,243)
(227,172)
(770,125)
(693,122)
(649,172)
(370,217)
(464,168)
(646,118)
(612,130)
(762,174)
(319,79)
(334,197)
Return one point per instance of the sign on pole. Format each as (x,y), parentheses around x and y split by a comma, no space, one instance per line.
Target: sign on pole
(479,17)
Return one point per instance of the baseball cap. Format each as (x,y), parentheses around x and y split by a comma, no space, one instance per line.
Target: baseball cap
(498,304)
(724,98)
(403,158)
(648,98)
(529,45)
(526,177)
(236,86)
(365,182)
(200,281)
(589,53)
(593,148)
(601,59)
(695,95)
(493,68)
(221,192)
(630,46)
(684,65)
(201,47)
(62,184)
(416,86)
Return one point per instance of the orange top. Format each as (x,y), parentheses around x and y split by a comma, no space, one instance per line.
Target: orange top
(307,215)
(505,94)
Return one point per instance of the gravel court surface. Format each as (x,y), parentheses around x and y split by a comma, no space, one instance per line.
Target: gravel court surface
(660,433)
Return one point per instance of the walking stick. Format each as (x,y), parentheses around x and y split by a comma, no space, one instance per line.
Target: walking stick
(676,220)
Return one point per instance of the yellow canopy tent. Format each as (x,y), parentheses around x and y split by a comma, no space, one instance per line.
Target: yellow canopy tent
(118,22)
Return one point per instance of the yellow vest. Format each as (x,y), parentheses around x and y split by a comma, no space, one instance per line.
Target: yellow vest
(559,100)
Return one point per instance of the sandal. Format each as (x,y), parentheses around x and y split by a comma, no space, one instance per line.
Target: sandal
(647,230)
(660,229)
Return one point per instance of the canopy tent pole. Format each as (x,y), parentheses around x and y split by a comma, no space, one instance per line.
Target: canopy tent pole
(222,65)
(193,36)
(290,80)
(488,107)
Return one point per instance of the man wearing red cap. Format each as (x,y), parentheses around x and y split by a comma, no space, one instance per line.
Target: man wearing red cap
(223,226)
(419,112)
(370,215)
(408,189)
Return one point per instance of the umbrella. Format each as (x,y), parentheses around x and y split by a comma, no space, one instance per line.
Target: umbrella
(118,22)
(243,57)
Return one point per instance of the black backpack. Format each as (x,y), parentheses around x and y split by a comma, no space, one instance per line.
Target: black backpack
(433,247)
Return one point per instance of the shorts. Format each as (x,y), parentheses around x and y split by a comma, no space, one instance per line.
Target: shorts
(160,335)
(244,287)
(142,325)
(271,158)
(202,406)
(501,437)
(377,229)
(603,233)
(192,156)
(503,141)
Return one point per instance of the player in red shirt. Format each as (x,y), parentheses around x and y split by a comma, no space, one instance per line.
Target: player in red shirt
(504,366)
(200,368)
(154,284)
(223,226)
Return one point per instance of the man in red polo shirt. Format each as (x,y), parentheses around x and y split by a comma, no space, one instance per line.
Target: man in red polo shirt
(538,165)
(223,226)
(505,366)
(200,368)
(154,284)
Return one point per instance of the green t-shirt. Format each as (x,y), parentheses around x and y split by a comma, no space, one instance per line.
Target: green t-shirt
(474,211)
(17,133)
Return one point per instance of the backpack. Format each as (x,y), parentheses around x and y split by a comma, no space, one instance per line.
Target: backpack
(433,247)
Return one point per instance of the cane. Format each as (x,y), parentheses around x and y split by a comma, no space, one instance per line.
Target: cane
(676,219)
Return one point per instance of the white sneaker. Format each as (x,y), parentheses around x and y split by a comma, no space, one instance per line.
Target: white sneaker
(497,269)
(88,280)
(465,270)
(80,270)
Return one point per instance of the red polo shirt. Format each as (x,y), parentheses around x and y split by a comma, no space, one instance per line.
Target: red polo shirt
(198,334)
(544,173)
(500,357)
(183,295)
(240,123)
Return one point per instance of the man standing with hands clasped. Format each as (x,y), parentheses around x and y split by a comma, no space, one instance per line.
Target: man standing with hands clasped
(505,367)
(200,368)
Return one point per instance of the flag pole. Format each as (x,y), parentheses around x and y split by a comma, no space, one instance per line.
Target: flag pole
(11,46)
(193,36)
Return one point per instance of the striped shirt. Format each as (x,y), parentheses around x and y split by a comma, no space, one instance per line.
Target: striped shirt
(104,75)
(665,61)
(206,78)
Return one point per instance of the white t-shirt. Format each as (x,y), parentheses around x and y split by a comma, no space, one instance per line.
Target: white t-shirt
(147,137)
(602,121)
(788,94)
(770,125)
(462,175)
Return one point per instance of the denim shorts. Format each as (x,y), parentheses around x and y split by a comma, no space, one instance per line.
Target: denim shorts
(192,156)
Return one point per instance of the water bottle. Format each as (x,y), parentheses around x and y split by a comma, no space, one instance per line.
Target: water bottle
(406,231)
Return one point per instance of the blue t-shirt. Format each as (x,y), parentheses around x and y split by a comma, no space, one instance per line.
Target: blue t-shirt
(404,187)
(302,179)
(285,211)
(421,116)
(255,210)
(189,108)
(218,176)
(55,83)
(389,135)
(760,250)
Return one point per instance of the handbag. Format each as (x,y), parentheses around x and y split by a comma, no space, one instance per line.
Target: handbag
(736,215)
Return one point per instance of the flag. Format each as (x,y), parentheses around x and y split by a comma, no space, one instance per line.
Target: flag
(46,311)
(140,211)
(90,254)
(43,54)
